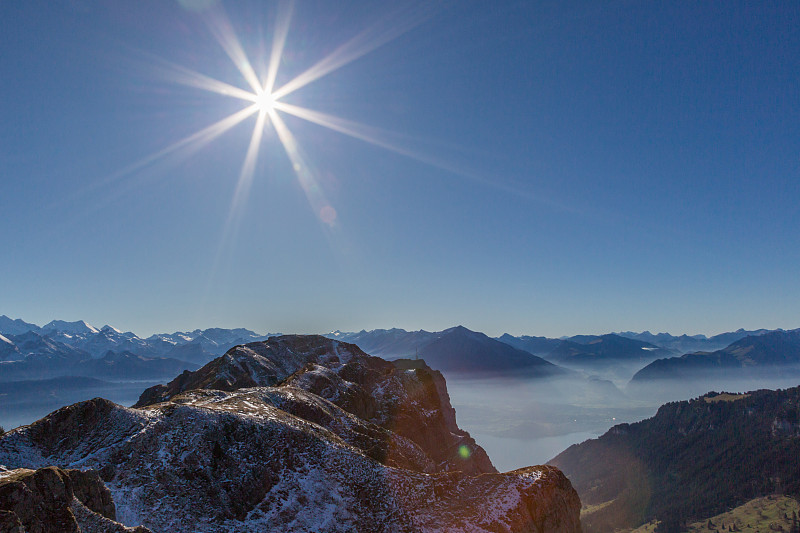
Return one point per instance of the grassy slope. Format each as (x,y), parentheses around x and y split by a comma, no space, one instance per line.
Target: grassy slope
(762,515)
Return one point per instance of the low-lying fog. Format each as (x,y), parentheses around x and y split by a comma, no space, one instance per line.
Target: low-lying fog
(528,422)
(523,422)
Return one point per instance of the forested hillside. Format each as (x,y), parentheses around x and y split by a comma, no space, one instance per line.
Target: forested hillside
(693,459)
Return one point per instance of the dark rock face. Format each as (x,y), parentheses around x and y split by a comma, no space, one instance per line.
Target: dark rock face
(373,441)
(54,500)
(340,441)
(256,364)
(91,492)
(40,500)
(9,522)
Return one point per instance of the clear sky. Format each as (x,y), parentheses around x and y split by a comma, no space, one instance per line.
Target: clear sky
(543,168)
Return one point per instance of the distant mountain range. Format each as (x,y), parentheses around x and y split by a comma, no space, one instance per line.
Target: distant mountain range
(692,343)
(592,353)
(388,343)
(457,350)
(31,356)
(692,460)
(198,346)
(535,345)
(748,356)
(586,351)
(59,348)
(62,348)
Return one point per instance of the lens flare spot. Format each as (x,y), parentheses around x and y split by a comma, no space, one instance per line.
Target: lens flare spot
(464,452)
(328,215)
(296,167)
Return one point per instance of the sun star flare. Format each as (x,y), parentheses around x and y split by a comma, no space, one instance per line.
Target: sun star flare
(263,98)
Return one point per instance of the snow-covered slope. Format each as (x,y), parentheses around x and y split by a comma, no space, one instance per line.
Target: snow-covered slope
(230,462)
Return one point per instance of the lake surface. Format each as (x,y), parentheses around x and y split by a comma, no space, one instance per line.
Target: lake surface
(509,453)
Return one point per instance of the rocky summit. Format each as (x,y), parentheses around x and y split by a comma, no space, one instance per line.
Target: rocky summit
(296,433)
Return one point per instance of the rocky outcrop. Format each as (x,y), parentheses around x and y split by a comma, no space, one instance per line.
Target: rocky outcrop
(410,402)
(52,500)
(341,441)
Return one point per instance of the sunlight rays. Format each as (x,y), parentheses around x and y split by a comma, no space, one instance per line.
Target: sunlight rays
(184,147)
(194,141)
(190,78)
(378,137)
(314,194)
(243,184)
(387,29)
(267,102)
(347,127)
(281,29)
(249,163)
(222,30)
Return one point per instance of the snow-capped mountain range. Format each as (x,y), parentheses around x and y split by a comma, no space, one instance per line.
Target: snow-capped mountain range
(29,351)
(21,339)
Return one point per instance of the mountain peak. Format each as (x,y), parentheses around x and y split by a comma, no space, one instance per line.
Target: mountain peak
(15,326)
(461,330)
(76,327)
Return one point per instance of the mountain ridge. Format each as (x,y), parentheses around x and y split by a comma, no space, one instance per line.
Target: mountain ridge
(765,352)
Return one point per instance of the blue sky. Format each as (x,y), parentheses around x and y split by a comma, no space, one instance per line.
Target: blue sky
(576,167)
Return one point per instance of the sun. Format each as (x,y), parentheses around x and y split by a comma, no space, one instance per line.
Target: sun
(265,102)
